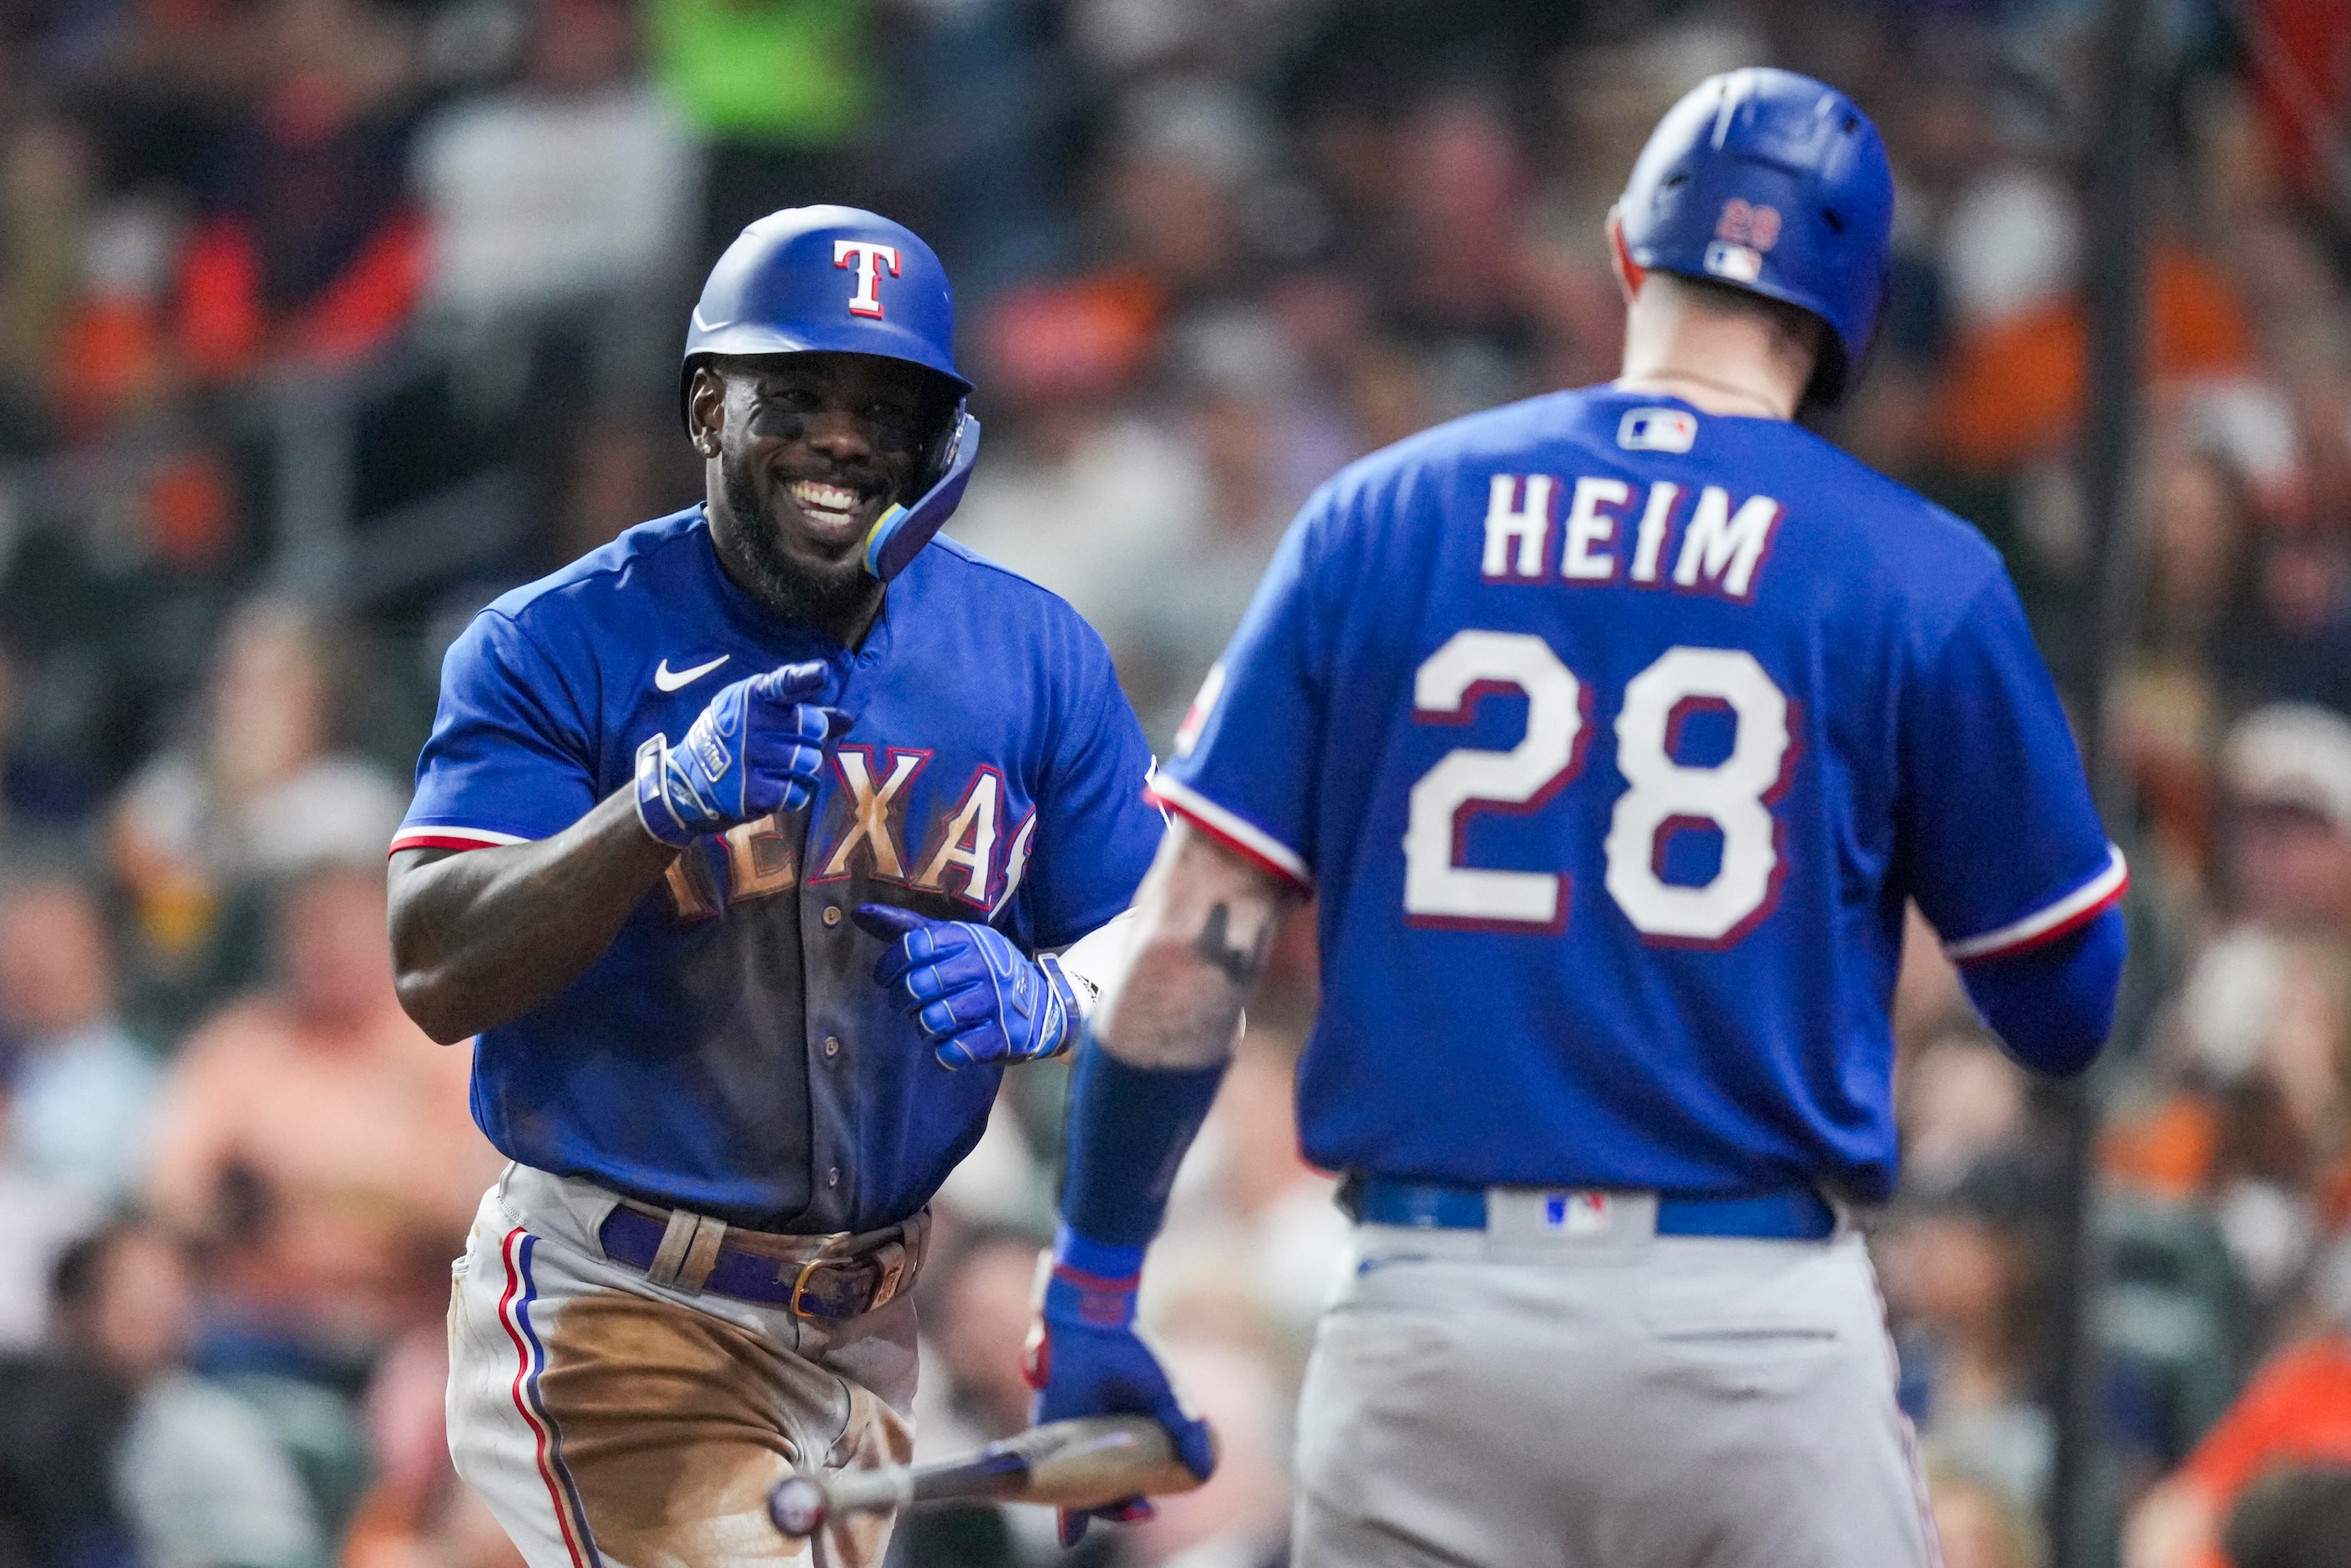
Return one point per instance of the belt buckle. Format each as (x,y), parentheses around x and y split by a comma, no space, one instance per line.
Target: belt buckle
(800,1285)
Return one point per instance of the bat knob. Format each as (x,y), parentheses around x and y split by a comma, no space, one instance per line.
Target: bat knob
(797,1506)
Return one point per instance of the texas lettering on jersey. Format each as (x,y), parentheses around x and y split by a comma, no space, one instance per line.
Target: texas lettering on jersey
(729,1052)
(963,849)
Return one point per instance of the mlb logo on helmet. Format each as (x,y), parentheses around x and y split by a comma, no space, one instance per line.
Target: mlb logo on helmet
(1738,263)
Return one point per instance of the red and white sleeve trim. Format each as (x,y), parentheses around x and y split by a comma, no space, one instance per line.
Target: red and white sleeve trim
(2070,913)
(433,836)
(1244,838)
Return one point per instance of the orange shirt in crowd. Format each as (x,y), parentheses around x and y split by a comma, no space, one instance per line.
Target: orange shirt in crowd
(2015,389)
(359,1145)
(2296,1410)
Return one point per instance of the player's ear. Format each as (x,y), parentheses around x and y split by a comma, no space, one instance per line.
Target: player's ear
(1629,273)
(705,407)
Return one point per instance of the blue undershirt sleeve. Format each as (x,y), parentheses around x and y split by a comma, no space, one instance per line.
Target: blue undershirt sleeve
(2054,1005)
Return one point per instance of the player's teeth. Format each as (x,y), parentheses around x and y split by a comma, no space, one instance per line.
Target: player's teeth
(825,497)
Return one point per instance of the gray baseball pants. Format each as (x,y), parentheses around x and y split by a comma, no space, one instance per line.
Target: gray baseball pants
(1519,1398)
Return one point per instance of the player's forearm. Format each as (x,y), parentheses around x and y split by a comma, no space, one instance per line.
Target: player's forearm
(2053,1007)
(1205,921)
(482,936)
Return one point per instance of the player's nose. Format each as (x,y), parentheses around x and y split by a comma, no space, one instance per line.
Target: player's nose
(839,435)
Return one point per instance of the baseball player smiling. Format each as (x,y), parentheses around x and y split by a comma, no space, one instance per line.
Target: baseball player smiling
(737,844)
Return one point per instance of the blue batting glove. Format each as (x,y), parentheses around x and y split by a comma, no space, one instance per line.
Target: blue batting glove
(977,997)
(760,747)
(1085,1358)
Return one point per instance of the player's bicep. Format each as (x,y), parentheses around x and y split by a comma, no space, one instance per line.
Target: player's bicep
(510,759)
(2002,843)
(1250,753)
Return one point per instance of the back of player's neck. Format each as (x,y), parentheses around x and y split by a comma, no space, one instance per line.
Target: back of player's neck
(1717,364)
(1711,392)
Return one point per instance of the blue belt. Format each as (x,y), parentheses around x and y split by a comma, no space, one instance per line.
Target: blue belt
(812,1276)
(1797,1214)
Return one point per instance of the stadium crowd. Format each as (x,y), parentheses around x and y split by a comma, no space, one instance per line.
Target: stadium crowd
(324,321)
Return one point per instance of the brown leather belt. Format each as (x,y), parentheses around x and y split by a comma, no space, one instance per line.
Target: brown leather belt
(843,1275)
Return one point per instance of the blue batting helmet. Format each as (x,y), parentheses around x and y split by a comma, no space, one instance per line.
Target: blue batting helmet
(1771,182)
(841,280)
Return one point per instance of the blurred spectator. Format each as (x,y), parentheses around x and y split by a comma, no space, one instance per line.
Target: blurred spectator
(2287,771)
(984,1303)
(132,1459)
(319,1141)
(2178,692)
(1246,1193)
(2293,1519)
(418,1514)
(2255,1122)
(305,243)
(1082,492)
(977,1302)
(1963,1277)
(1979,1526)
(1961,1102)
(1240,1519)
(2296,1411)
(1185,159)
(574,185)
(778,90)
(77,1101)
(44,189)
(1264,438)
(261,790)
(1212,249)
(39,1218)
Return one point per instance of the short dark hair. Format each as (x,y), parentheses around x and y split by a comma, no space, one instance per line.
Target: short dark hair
(2294,1517)
(74,1277)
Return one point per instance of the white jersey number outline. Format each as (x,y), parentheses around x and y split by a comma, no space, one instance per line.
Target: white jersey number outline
(1661,795)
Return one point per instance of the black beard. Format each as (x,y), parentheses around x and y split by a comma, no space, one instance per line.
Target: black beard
(830,599)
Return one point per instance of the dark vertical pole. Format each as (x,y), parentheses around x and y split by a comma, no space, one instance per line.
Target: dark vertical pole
(2117,273)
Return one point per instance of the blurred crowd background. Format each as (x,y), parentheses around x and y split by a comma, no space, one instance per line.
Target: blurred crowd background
(324,321)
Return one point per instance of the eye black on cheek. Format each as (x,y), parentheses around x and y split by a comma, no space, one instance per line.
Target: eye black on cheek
(769,422)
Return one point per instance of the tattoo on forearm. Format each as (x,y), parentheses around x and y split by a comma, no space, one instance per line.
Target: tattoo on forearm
(1240,965)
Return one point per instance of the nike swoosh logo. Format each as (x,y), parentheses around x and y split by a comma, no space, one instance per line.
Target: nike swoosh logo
(669,680)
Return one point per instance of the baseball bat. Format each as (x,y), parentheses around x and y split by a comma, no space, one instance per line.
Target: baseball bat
(1083,1463)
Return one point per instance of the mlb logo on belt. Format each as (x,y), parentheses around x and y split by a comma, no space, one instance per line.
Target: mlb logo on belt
(1577,1213)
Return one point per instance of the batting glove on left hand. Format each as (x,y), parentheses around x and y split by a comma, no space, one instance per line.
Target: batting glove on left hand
(976,998)
(1085,1358)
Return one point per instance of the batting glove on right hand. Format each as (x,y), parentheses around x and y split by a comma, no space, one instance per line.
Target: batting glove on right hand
(976,996)
(1085,1358)
(758,748)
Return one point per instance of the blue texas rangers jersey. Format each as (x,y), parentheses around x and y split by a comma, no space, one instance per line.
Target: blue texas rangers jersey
(1614,737)
(730,1051)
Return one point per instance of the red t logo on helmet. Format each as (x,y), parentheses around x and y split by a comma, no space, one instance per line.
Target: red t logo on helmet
(871,259)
